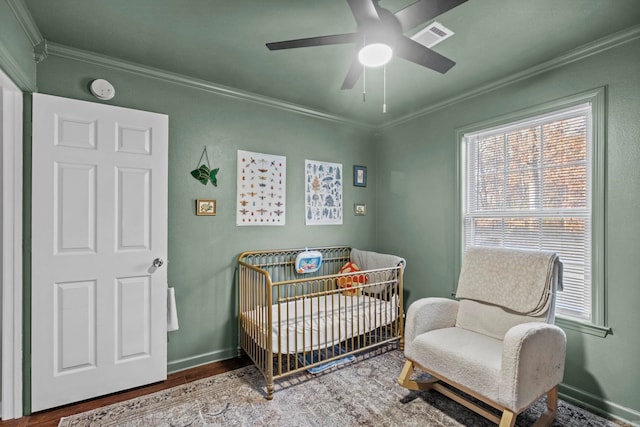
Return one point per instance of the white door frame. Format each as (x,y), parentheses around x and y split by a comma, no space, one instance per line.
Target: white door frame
(11,193)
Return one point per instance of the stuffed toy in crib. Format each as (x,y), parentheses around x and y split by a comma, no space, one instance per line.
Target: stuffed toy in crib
(348,282)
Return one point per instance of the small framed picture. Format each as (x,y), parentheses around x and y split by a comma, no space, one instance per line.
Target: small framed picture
(359,176)
(205,207)
(360,209)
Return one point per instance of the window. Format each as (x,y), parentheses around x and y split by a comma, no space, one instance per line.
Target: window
(529,183)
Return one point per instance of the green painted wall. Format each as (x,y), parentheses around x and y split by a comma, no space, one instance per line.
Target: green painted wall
(417,190)
(16,51)
(410,197)
(203,250)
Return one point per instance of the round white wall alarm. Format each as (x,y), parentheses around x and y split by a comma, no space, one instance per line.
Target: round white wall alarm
(102,89)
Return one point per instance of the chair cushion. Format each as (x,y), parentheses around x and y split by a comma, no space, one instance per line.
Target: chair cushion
(471,359)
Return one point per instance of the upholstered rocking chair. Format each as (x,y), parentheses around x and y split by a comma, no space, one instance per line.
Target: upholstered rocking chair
(497,342)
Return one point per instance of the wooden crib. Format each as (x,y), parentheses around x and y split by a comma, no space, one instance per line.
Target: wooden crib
(290,322)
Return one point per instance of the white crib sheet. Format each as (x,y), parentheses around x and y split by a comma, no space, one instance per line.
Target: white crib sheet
(318,322)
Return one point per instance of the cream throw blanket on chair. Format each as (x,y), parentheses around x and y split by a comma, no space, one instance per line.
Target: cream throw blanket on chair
(524,287)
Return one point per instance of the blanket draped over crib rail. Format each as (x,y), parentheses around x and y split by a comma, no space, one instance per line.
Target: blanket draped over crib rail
(291,321)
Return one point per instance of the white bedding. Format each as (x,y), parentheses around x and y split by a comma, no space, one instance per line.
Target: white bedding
(318,322)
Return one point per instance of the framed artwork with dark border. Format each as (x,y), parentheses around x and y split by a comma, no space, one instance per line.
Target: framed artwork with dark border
(206,207)
(359,176)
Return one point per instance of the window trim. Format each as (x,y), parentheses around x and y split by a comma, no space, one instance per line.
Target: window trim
(597,98)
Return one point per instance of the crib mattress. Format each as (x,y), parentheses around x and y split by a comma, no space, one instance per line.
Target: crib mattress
(315,323)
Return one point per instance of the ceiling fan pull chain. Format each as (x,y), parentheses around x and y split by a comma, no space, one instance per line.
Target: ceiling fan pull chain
(364,73)
(364,84)
(384,89)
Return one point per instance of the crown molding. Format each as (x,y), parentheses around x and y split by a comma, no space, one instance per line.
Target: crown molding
(67,52)
(55,49)
(598,46)
(26,21)
(40,51)
(9,65)
(30,29)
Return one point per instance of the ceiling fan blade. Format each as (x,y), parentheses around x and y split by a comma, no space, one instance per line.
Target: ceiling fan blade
(422,55)
(313,41)
(353,75)
(423,11)
(364,11)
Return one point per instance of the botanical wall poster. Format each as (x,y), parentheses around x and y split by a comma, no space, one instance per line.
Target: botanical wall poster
(323,192)
(261,189)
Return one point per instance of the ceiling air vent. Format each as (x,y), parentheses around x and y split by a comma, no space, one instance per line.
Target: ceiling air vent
(432,34)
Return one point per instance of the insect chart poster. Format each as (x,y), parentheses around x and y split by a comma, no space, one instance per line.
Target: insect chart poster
(261,189)
(323,193)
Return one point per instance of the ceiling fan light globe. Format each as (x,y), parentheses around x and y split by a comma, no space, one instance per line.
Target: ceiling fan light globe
(375,55)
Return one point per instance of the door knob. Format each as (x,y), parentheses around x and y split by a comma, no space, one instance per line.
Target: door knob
(157,262)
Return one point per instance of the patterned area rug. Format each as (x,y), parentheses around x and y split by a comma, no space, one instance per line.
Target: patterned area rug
(364,393)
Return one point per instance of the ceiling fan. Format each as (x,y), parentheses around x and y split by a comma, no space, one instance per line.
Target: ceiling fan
(380,35)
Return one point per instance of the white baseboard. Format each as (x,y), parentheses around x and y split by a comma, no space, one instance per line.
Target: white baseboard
(598,405)
(201,359)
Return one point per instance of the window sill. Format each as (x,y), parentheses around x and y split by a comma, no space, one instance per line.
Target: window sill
(583,327)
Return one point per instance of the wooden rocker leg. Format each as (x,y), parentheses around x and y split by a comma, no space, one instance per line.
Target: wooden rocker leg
(434,384)
(546,419)
(405,381)
(508,418)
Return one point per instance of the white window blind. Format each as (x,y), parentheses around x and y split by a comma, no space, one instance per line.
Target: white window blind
(528,185)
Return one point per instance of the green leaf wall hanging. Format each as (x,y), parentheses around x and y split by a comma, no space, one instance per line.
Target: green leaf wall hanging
(204,173)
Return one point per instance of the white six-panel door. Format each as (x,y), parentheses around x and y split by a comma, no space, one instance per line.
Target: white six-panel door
(99,220)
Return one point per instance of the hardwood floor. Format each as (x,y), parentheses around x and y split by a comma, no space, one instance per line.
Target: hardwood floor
(51,417)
